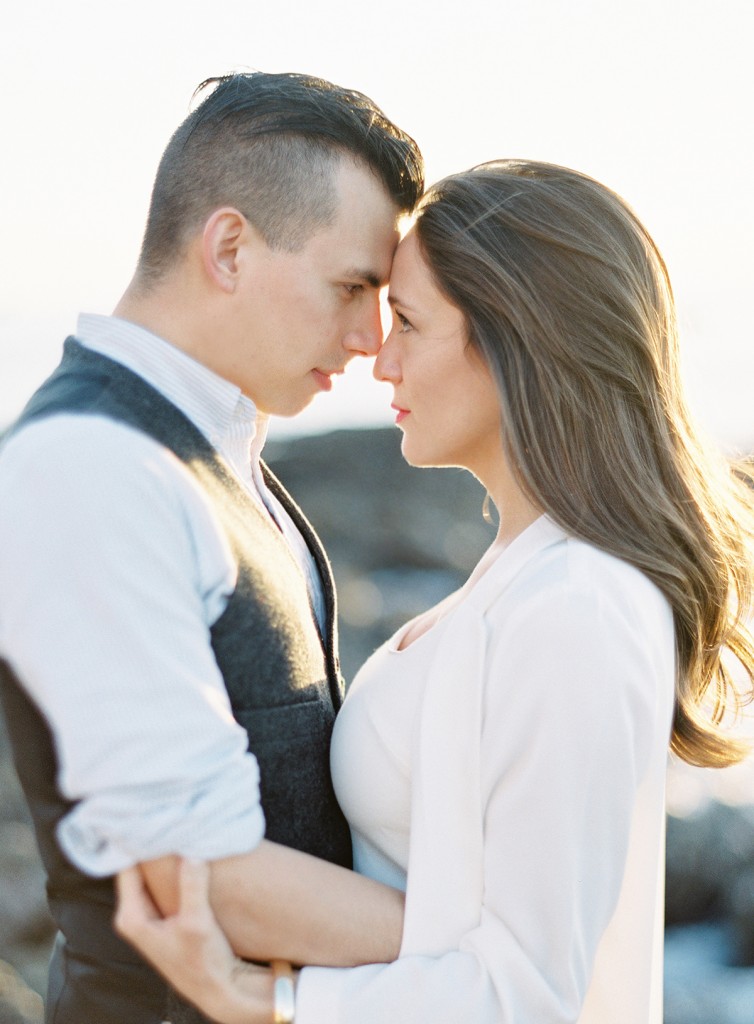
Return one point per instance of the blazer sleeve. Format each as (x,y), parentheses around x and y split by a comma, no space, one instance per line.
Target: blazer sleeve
(570,719)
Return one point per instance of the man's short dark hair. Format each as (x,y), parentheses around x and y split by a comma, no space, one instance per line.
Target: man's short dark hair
(269,144)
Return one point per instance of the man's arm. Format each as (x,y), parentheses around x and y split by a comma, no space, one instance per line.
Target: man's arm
(113,571)
(278,902)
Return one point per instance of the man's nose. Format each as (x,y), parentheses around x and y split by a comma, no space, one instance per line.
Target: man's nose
(363,343)
(366,338)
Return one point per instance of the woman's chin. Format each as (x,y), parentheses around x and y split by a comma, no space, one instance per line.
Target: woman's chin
(422,456)
(410,453)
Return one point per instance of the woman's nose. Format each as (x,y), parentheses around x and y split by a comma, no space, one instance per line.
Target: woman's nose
(386,365)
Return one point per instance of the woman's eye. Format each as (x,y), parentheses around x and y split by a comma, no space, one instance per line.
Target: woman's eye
(405,324)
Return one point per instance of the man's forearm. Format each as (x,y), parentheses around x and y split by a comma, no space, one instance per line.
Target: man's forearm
(278,902)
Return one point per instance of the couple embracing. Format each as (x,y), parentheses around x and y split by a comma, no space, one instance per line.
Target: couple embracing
(477,833)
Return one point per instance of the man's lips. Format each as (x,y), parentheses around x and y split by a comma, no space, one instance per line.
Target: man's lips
(324,377)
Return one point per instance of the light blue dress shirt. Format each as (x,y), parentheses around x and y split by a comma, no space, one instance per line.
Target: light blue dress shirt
(113,571)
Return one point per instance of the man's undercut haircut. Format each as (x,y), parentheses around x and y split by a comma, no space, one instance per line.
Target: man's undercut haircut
(269,146)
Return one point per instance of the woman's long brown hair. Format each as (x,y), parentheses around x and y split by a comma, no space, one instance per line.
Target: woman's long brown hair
(568,300)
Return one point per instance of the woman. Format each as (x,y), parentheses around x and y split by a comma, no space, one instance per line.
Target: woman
(517,733)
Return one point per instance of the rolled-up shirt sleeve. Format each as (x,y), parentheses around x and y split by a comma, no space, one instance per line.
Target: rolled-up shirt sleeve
(114,569)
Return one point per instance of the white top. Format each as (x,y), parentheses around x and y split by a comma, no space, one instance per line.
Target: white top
(537,772)
(370,758)
(113,570)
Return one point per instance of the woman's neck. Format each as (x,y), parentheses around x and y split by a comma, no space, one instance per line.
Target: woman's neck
(515,509)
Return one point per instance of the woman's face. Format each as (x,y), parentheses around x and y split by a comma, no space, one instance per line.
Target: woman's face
(446,401)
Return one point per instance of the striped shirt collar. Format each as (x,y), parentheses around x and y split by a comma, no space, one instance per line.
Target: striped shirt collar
(227,418)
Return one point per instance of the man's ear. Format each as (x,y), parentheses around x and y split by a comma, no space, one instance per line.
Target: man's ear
(225,231)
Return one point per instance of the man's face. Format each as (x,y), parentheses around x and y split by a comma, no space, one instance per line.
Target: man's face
(301,316)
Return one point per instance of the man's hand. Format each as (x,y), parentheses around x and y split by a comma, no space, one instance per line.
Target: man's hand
(190,950)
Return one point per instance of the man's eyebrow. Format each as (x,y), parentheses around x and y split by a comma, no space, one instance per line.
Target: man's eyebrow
(370,277)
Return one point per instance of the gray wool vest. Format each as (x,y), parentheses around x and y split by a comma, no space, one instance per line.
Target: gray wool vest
(281,675)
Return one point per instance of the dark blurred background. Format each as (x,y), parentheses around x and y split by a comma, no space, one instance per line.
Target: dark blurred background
(400,539)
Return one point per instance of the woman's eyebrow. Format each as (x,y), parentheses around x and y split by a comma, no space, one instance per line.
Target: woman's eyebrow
(395,300)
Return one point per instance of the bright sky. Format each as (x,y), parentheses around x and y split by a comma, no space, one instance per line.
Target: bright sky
(654,97)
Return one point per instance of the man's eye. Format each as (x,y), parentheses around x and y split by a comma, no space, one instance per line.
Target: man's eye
(353,289)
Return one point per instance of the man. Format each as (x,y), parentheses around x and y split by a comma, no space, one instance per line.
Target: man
(163,603)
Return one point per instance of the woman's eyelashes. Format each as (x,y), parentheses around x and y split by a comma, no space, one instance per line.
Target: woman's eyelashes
(404,323)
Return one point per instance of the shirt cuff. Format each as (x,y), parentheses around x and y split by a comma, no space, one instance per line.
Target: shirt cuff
(318,992)
(110,831)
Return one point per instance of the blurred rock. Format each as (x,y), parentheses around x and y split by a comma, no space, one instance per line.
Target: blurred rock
(739,910)
(707,853)
(710,850)
(700,985)
(18,1004)
(23,907)
(26,928)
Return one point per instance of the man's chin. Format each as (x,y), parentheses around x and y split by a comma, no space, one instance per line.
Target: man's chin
(289,409)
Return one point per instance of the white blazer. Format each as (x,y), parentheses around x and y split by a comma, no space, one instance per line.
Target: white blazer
(536,865)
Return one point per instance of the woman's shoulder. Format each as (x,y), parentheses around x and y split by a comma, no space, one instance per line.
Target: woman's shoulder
(568,576)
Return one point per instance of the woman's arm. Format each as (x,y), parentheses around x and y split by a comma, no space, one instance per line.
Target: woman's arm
(278,902)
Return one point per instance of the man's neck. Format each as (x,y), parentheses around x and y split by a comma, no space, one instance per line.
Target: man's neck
(167,308)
